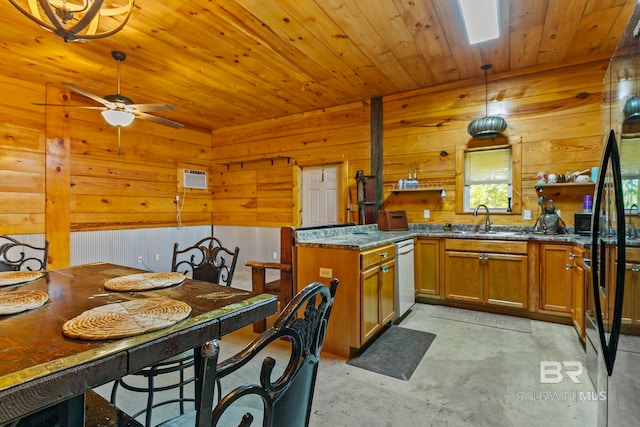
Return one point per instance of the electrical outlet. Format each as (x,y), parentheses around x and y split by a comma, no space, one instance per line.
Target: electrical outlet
(426,214)
(156,257)
(275,255)
(326,272)
(526,215)
(139,259)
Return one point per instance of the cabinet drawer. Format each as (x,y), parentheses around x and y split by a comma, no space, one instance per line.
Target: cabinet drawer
(496,246)
(377,255)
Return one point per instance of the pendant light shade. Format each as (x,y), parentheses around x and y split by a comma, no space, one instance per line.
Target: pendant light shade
(489,126)
(631,110)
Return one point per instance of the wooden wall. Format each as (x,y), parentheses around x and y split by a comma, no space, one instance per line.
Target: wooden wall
(22,158)
(256,193)
(554,115)
(134,189)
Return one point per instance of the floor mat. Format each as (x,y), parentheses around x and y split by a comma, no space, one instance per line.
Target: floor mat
(512,323)
(395,353)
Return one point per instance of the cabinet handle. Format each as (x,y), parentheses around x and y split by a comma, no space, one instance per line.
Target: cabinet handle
(569,266)
(385,268)
(481,256)
(573,256)
(383,255)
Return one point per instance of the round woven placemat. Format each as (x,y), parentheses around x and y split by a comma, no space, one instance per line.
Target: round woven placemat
(144,281)
(126,319)
(8,278)
(12,302)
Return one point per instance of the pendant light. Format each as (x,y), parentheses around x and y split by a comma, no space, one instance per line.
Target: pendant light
(489,126)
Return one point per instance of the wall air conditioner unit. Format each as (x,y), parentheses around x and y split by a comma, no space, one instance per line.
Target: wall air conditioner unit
(193,178)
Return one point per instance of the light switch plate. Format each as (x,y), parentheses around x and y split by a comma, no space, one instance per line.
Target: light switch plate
(526,215)
(426,214)
(326,272)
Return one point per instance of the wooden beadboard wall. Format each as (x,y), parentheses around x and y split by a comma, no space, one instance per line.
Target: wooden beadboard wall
(554,114)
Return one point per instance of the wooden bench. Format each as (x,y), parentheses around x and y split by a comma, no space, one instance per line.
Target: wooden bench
(284,287)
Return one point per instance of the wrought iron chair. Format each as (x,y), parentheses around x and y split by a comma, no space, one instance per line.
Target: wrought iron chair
(206,260)
(285,397)
(15,255)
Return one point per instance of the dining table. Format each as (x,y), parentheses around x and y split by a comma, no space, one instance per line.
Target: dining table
(41,368)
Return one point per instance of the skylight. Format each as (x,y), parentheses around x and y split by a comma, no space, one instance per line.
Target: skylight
(480,19)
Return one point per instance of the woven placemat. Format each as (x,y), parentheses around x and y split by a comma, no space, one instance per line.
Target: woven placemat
(126,319)
(17,301)
(8,278)
(144,281)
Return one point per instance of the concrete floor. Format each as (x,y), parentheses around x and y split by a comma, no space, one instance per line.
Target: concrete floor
(472,375)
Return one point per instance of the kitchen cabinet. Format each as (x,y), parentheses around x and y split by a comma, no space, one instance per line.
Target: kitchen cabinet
(555,279)
(365,300)
(631,302)
(427,267)
(377,282)
(486,271)
(579,289)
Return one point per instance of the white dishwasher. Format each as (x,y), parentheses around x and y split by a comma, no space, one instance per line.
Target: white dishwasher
(405,282)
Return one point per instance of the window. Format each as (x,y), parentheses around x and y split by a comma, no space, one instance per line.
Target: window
(630,168)
(488,179)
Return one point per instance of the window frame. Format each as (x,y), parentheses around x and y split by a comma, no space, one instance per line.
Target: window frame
(516,177)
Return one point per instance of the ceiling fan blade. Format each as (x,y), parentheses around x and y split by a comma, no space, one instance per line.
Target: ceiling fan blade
(158,120)
(145,108)
(90,95)
(86,107)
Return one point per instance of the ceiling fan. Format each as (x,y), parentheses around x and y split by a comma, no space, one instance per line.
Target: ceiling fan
(120,111)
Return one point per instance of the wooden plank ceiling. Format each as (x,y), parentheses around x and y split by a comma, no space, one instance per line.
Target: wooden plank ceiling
(230,62)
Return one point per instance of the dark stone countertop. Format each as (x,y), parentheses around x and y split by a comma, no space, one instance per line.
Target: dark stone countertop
(363,237)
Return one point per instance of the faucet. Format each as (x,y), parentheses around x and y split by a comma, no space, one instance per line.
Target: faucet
(487,221)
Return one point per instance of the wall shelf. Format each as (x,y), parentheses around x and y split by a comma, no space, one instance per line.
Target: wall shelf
(243,162)
(568,184)
(417,190)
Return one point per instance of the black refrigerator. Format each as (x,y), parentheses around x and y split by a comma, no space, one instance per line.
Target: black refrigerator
(613,302)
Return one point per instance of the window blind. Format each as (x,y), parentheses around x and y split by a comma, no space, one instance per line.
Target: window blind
(630,158)
(488,166)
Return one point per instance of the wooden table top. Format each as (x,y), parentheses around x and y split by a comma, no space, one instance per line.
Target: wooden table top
(40,367)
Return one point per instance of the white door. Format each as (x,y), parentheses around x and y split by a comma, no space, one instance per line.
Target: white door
(320,195)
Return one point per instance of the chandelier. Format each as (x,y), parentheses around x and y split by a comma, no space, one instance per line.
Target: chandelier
(488,126)
(77,20)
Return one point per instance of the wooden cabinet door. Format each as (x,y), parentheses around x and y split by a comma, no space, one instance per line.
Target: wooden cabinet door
(506,280)
(555,279)
(387,277)
(428,267)
(577,309)
(370,315)
(464,276)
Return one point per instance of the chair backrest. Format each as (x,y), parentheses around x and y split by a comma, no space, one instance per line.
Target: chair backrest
(206,260)
(15,255)
(287,399)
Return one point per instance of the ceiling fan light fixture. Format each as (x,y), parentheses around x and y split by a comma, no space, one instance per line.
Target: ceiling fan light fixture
(488,126)
(77,20)
(118,117)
